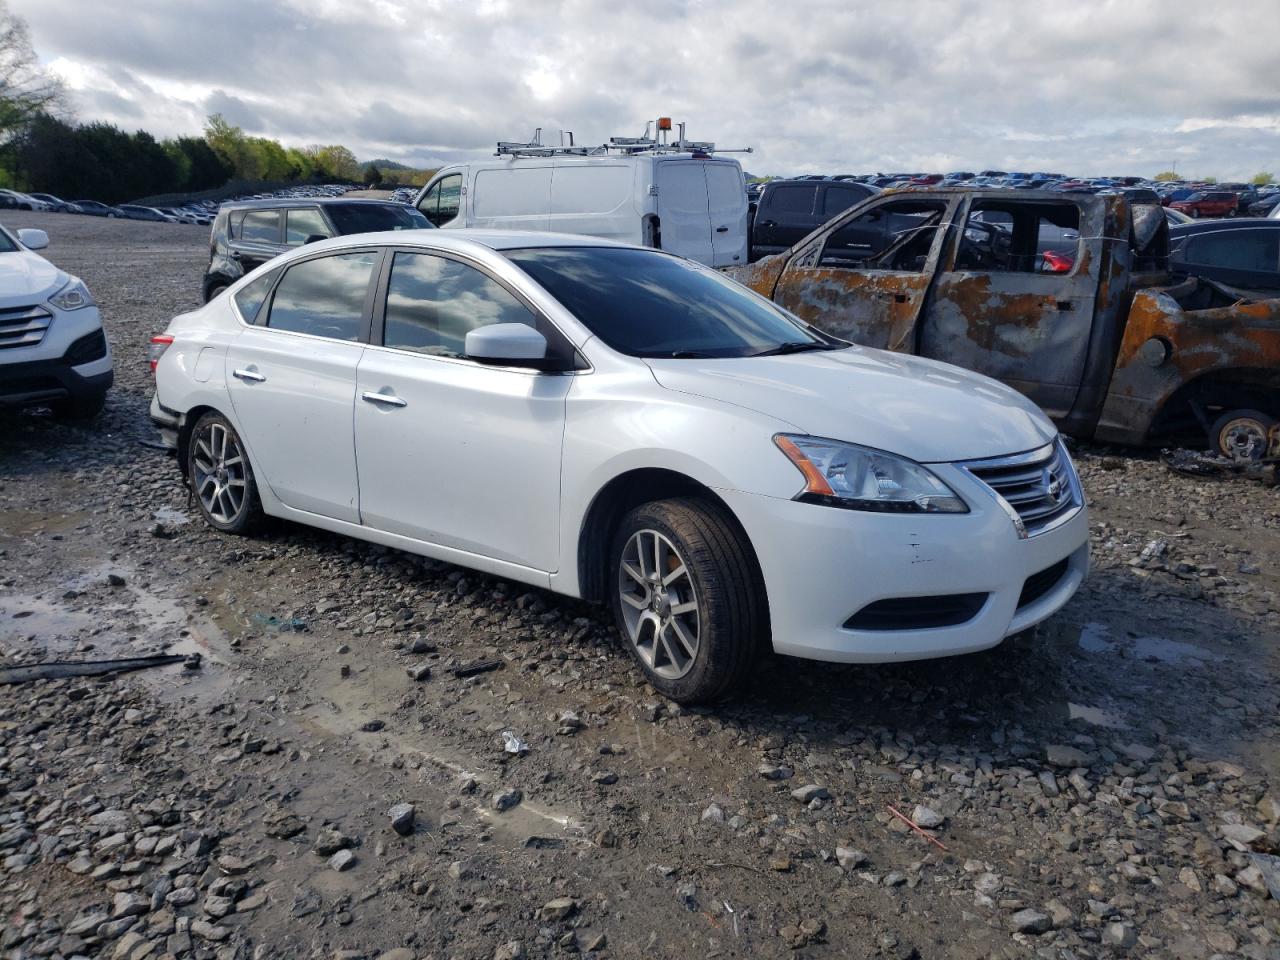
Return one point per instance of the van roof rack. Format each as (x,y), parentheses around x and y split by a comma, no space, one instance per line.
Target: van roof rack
(655,140)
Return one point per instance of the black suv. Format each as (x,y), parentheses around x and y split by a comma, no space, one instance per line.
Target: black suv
(248,233)
(790,210)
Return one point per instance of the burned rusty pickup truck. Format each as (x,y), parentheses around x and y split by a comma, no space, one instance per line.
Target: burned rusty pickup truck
(1065,297)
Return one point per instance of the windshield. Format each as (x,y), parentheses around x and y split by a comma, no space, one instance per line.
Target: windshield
(375,217)
(650,304)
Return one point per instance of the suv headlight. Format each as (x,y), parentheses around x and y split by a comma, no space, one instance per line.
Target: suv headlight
(74,296)
(858,478)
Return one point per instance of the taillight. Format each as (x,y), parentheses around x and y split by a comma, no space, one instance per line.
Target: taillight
(159,344)
(1057,262)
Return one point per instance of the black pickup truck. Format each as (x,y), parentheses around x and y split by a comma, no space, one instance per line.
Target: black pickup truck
(790,210)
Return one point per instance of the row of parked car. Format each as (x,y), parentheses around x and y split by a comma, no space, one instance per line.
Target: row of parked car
(1196,199)
(195,212)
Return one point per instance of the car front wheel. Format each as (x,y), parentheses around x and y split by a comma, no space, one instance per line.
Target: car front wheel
(688,600)
(220,476)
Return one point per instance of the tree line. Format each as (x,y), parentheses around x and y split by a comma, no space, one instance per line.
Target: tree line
(43,149)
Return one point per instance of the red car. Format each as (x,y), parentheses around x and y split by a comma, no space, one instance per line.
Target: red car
(1216,204)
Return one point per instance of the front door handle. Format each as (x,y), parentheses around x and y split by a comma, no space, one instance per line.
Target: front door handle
(722,229)
(252,376)
(388,399)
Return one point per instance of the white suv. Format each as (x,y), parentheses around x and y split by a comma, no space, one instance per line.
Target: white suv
(53,351)
(624,425)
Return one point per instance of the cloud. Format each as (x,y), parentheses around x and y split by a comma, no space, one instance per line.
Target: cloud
(1094,87)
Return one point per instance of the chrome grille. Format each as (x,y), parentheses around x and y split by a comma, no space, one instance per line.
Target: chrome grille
(23,326)
(1038,489)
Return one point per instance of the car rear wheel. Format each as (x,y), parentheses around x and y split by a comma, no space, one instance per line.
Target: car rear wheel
(1242,435)
(687,598)
(220,476)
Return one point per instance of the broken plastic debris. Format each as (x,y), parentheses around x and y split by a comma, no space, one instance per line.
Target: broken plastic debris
(513,744)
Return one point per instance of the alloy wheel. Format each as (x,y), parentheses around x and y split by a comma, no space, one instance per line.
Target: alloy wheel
(219,474)
(659,604)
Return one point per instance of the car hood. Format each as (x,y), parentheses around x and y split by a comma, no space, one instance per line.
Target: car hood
(26,278)
(911,406)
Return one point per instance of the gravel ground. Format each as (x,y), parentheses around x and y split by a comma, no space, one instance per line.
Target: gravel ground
(1108,786)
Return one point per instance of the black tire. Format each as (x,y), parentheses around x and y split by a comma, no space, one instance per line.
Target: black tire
(206,463)
(732,613)
(80,408)
(214,290)
(1195,213)
(1241,435)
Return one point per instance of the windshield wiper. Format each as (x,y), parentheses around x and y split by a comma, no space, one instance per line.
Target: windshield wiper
(686,355)
(795,347)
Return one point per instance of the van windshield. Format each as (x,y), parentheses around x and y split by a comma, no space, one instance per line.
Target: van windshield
(649,304)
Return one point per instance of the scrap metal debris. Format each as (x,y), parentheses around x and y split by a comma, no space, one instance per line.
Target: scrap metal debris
(513,744)
(476,666)
(916,827)
(1209,466)
(60,669)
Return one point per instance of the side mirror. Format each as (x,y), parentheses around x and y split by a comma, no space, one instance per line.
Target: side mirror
(33,239)
(511,343)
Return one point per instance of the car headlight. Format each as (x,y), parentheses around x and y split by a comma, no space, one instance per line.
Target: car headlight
(74,296)
(858,478)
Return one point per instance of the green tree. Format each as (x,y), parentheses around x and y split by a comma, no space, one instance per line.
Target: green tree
(372,175)
(26,89)
(1165,175)
(1262,178)
(335,162)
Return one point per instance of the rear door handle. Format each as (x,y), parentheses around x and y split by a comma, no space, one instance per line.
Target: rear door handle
(722,229)
(251,375)
(388,399)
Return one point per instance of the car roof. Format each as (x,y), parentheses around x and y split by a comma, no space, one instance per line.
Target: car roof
(1212,226)
(469,239)
(306,202)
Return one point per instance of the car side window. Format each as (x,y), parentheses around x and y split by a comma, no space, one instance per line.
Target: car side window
(260,225)
(896,235)
(303,222)
(433,302)
(441,203)
(324,297)
(252,295)
(1256,250)
(1006,236)
(792,198)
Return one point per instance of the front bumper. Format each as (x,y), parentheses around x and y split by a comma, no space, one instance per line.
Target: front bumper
(822,565)
(50,379)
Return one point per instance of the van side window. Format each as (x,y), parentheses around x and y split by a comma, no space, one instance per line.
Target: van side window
(441,203)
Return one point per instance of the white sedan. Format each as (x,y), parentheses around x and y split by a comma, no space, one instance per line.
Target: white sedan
(623,425)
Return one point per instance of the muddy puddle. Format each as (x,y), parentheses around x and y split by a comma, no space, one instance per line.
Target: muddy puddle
(89,617)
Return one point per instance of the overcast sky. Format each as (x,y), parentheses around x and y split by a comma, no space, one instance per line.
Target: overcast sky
(1087,87)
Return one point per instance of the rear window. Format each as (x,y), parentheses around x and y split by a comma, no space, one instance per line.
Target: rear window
(1255,250)
(375,217)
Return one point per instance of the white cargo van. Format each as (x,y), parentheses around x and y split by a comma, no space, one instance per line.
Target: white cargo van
(674,196)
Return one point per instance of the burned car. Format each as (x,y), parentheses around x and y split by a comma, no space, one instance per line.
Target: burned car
(1068,298)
